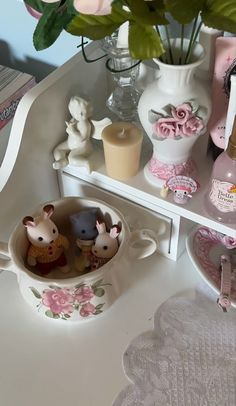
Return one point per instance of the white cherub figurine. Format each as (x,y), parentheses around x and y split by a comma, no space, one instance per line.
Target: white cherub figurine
(78,147)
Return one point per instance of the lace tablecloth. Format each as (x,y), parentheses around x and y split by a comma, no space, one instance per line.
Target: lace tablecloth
(189,359)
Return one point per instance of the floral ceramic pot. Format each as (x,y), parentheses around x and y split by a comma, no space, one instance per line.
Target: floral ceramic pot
(174,111)
(71,296)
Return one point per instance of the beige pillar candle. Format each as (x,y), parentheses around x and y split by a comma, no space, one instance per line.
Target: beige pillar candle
(122,143)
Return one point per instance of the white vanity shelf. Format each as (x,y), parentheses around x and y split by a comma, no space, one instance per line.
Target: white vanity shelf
(28,179)
(38,126)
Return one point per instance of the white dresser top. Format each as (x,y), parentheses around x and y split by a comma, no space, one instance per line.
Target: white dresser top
(49,362)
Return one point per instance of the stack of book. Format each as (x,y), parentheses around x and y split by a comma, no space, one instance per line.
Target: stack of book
(13,85)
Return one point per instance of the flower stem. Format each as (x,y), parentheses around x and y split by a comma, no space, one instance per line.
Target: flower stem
(191,39)
(193,42)
(169,45)
(158,32)
(181,44)
(82,45)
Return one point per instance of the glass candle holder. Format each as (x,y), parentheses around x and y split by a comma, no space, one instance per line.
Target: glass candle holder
(124,98)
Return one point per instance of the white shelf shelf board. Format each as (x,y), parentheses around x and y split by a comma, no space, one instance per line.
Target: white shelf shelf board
(139,190)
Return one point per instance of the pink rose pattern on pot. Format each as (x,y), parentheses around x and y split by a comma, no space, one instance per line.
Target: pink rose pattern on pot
(58,301)
(83,293)
(182,121)
(61,303)
(87,309)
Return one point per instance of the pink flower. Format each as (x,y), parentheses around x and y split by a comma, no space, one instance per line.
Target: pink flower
(83,294)
(87,309)
(94,7)
(58,300)
(166,127)
(182,113)
(34,13)
(229,242)
(193,126)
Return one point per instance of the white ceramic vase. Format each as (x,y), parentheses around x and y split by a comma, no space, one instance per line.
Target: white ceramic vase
(174,111)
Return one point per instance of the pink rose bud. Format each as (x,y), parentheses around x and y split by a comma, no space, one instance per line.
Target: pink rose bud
(166,127)
(182,113)
(229,242)
(193,126)
(94,7)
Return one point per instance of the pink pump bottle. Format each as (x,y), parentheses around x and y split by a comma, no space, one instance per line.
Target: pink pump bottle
(220,199)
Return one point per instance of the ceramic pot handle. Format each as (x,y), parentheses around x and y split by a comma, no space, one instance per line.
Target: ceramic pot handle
(6,264)
(137,249)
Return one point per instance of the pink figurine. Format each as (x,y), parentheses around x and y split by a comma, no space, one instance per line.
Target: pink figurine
(183,187)
(47,245)
(105,246)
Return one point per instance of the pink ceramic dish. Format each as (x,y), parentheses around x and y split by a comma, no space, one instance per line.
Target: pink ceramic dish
(205,248)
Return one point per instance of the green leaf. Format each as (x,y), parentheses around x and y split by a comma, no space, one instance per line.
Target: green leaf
(99,292)
(50,26)
(144,42)
(167,109)
(80,285)
(67,316)
(96,284)
(70,7)
(99,306)
(98,312)
(184,11)
(150,12)
(35,292)
(97,27)
(49,313)
(220,14)
(54,287)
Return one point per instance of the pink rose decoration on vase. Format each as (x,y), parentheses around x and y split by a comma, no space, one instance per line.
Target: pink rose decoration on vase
(94,7)
(182,122)
(87,309)
(166,127)
(83,294)
(182,113)
(58,300)
(193,126)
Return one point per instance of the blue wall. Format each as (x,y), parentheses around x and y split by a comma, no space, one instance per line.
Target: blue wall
(16,46)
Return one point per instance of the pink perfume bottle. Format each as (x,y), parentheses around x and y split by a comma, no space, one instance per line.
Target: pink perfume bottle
(220,199)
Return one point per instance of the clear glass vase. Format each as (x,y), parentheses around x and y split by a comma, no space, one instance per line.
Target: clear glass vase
(124,98)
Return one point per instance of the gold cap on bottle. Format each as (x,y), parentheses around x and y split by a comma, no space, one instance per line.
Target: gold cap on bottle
(231,148)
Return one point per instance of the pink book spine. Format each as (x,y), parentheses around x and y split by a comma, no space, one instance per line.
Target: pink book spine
(225,65)
(9,106)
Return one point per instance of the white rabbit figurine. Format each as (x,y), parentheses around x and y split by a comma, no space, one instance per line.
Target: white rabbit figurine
(47,246)
(105,246)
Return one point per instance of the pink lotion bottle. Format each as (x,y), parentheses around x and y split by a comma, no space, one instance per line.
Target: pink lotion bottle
(220,199)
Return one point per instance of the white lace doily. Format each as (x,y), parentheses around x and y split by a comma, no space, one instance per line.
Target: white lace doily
(189,359)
